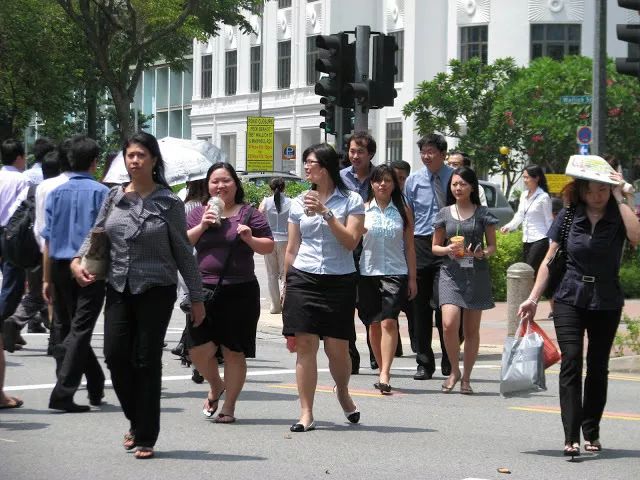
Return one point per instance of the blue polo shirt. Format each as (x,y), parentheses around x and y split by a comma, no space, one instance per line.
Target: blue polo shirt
(70,212)
(421,195)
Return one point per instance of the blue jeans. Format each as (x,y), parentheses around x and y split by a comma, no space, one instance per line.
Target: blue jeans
(12,289)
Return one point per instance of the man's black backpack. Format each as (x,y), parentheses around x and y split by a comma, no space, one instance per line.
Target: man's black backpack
(19,245)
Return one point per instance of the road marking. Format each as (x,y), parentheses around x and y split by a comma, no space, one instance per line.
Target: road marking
(611,415)
(353,392)
(7,440)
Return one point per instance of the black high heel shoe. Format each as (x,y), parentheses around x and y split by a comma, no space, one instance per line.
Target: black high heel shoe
(383,387)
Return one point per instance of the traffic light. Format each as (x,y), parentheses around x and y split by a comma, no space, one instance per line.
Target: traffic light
(383,72)
(337,60)
(329,114)
(629,33)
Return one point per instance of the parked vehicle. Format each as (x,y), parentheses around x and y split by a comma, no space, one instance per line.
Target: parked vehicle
(497,202)
(262,178)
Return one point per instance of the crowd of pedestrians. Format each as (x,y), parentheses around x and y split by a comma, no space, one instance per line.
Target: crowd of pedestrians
(365,239)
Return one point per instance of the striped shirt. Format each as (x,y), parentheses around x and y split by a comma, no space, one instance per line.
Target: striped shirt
(149,243)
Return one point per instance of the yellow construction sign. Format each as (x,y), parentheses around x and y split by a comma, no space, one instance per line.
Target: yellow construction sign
(260,144)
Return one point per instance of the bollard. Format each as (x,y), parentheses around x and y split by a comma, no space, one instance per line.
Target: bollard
(519,285)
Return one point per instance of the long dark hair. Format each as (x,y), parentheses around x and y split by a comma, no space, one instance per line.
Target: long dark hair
(573,193)
(239,198)
(277,187)
(536,172)
(149,142)
(327,159)
(197,191)
(377,174)
(469,176)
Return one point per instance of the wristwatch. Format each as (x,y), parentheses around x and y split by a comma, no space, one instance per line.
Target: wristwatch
(326,216)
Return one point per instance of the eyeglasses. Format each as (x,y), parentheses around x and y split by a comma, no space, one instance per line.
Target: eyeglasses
(306,161)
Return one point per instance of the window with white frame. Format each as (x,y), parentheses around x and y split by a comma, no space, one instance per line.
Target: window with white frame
(284,3)
(207,77)
(284,64)
(230,72)
(473,42)
(555,40)
(255,68)
(394,141)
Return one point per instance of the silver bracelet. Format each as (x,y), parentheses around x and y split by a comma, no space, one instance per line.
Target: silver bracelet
(532,301)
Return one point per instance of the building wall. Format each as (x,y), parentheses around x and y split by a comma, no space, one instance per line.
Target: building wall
(431,37)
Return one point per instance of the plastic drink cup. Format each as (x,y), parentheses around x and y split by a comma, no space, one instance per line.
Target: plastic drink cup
(216,205)
(310,193)
(459,240)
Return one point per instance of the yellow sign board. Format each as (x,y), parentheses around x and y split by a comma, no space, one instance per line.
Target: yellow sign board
(557,181)
(260,144)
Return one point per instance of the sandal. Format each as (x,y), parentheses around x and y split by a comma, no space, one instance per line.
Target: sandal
(571,449)
(448,388)
(465,388)
(129,441)
(13,402)
(592,446)
(210,406)
(144,453)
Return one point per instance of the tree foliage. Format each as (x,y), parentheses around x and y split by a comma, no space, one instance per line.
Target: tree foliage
(41,66)
(127,36)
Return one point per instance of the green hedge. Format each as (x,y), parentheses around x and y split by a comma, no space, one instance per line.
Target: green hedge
(509,251)
(254,194)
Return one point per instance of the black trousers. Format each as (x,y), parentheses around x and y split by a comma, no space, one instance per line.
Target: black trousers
(578,410)
(135,326)
(533,253)
(425,304)
(77,310)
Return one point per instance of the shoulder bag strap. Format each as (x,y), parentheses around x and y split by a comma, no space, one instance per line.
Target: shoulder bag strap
(227,260)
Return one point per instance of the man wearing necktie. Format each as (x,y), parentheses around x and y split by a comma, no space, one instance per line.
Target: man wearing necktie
(426,192)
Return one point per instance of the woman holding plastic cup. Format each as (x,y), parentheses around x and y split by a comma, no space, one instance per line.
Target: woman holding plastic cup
(465,232)
(325,225)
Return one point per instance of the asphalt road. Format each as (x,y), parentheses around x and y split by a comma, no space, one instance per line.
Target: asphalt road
(417,432)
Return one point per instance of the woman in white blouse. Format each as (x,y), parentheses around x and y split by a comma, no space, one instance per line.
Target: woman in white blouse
(534,213)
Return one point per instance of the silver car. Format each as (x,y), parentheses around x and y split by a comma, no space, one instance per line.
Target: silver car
(497,202)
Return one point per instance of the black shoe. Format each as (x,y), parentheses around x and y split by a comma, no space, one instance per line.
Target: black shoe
(374,365)
(10,335)
(37,327)
(178,350)
(353,417)
(445,367)
(399,353)
(219,357)
(50,350)
(422,374)
(355,368)
(96,400)
(20,340)
(299,427)
(383,387)
(68,406)
(196,377)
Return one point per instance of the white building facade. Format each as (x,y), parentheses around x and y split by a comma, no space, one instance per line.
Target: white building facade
(429,33)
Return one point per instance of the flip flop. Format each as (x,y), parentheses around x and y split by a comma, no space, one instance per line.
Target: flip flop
(592,446)
(13,403)
(144,453)
(225,418)
(209,410)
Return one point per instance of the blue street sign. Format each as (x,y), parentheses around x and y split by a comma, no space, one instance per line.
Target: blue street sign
(584,149)
(584,135)
(575,99)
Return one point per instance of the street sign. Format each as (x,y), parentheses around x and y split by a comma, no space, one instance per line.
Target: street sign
(575,99)
(584,135)
(557,181)
(584,149)
(260,144)
(289,152)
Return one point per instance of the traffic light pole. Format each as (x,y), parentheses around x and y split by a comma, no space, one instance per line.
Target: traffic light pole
(599,106)
(340,129)
(361,119)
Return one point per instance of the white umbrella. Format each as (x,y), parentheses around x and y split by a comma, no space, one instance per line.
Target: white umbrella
(184,160)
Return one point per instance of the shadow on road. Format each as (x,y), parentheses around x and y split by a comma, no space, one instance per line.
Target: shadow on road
(19,426)
(202,455)
(606,454)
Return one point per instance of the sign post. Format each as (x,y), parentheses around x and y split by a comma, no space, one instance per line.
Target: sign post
(260,144)
(584,137)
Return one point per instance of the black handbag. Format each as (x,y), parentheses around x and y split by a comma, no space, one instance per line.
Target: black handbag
(210,295)
(557,264)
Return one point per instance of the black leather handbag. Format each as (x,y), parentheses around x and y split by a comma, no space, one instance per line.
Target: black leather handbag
(557,264)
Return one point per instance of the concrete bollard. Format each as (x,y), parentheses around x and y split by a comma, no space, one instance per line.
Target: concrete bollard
(519,285)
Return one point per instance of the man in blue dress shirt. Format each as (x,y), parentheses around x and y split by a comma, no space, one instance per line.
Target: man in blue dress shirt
(426,194)
(70,212)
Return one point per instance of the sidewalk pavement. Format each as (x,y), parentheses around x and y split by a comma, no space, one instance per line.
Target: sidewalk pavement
(493,330)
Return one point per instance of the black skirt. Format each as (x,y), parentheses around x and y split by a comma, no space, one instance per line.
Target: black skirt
(381,297)
(232,319)
(322,305)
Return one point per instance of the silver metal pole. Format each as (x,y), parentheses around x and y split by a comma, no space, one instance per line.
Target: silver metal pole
(361,120)
(599,105)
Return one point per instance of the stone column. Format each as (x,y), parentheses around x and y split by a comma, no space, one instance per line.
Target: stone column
(519,285)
